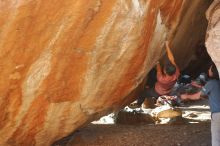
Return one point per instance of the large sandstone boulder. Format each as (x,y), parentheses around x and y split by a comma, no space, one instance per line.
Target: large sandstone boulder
(66,63)
(213,33)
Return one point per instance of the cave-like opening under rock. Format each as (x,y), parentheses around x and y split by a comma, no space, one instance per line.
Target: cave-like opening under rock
(66,63)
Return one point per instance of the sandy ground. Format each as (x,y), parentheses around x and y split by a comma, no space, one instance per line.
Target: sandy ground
(195,131)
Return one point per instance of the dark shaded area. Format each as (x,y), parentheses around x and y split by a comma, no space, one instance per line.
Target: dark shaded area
(199,64)
(151,78)
(134,117)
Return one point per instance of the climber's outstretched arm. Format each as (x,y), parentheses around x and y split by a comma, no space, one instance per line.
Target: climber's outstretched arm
(159,70)
(170,54)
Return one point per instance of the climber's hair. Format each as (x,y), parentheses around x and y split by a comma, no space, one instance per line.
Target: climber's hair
(169,69)
(214,72)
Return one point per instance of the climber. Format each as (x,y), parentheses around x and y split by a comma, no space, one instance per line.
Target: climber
(166,79)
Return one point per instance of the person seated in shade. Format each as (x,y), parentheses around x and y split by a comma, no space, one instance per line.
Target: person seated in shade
(166,79)
(190,91)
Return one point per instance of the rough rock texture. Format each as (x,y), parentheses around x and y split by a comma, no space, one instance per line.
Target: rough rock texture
(191,32)
(65,63)
(213,33)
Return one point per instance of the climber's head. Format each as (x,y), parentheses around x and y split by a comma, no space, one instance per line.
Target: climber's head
(169,69)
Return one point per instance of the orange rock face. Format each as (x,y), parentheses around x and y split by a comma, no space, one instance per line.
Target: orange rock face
(213,33)
(65,63)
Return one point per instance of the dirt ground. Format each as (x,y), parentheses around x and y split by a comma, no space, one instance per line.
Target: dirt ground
(194,132)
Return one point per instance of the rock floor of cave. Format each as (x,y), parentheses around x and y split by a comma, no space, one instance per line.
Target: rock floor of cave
(194,132)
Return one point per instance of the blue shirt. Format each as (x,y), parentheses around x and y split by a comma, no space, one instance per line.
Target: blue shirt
(212,90)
